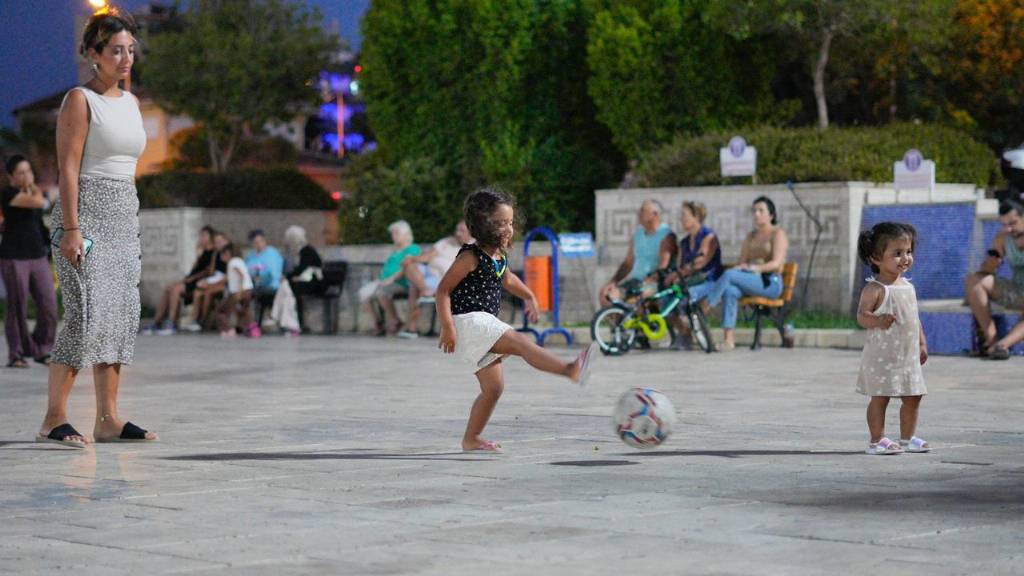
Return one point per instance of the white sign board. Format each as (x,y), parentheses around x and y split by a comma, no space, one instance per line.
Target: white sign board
(913,172)
(737,158)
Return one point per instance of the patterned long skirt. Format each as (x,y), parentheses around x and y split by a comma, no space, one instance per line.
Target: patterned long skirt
(101,296)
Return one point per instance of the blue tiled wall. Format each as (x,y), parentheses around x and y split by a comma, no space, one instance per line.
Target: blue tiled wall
(952,333)
(943,244)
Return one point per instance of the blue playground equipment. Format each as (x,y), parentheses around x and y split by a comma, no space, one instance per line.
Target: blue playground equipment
(551,237)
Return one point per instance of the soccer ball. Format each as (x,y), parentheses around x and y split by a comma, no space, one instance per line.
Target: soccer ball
(643,417)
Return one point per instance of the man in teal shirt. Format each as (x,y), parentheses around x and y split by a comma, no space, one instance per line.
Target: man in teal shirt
(391,282)
(653,246)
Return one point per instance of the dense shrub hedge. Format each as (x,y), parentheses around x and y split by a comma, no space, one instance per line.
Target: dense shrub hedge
(419,190)
(278,189)
(812,155)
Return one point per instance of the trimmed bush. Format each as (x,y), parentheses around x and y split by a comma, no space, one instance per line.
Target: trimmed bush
(838,154)
(275,189)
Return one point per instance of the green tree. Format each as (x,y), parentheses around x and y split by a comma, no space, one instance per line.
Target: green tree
(812,26)
(493,91)
(236,65)
(662,67)
(986,65)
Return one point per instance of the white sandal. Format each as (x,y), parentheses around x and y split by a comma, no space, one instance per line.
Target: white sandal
(915,444)
(883,447)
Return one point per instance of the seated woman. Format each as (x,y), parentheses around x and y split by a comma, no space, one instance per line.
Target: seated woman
(700,259)
(305,275)
(391,281)
(166,320)
(700,256)
(208,289)
(758,272)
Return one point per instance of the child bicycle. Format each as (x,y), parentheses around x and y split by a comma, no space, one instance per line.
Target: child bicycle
(621,326)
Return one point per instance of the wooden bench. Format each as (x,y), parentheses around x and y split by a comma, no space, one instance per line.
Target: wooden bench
(774,308)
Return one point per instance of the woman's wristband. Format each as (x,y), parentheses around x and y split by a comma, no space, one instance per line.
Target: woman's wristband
(70,228)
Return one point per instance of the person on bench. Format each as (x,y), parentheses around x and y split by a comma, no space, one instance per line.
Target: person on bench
(700,261)
(266,265)
(758,272)
(424,272)
(306,273)
(652,247)
(984,286)
(391,282)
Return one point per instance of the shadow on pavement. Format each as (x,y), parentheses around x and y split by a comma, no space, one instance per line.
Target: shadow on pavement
(270,456)
(597,463)
(742,453)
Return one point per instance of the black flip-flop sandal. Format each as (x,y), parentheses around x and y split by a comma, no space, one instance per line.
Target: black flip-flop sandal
(998,353)
(18,363)
(60,435)
(44,360)
(129,433)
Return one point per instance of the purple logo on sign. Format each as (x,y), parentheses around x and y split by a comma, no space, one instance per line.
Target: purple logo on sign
(736,146)
(913,159)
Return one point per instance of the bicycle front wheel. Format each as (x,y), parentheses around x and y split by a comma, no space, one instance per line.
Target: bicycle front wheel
(606,329)
(701,329)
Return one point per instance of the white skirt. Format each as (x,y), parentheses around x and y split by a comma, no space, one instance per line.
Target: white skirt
(475,335)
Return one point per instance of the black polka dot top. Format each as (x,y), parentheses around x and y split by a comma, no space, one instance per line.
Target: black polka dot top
(480,290)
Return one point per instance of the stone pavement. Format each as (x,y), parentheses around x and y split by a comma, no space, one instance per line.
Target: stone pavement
(339,455)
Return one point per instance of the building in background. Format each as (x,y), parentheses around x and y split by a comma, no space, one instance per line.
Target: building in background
(321,141)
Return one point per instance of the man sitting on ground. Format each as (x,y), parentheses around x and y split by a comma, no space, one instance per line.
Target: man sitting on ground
(984,285)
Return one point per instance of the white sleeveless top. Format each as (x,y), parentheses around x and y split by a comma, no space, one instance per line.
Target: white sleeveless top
(891,362)
(116,136)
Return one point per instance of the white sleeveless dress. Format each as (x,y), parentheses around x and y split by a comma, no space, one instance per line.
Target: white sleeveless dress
(891,362)
(101,297)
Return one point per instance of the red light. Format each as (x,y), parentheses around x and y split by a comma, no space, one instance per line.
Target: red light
(358,68)
(336,196)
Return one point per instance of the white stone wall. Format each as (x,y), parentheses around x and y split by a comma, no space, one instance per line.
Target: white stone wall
(837,205)
(169,237)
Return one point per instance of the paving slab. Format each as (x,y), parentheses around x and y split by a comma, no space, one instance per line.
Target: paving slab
(340,455)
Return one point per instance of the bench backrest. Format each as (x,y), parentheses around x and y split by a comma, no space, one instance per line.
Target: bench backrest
(335,272)
(789,270)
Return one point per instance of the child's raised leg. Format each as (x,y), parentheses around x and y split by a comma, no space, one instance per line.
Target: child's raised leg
(492,383)
(518,344)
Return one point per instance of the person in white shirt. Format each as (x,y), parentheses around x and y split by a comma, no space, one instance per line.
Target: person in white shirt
(238,295)
(424,272)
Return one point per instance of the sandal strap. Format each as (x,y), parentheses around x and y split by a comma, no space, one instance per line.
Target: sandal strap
(887,444)
(63,431)
(132,432)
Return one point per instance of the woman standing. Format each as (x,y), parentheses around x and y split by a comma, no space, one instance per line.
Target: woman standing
(25,268)
(99,139)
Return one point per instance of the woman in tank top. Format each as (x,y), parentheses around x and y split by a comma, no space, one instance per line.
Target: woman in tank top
(99,140)
(758,272)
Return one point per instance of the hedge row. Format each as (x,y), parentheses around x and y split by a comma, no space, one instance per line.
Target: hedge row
(861,154)
(277,189)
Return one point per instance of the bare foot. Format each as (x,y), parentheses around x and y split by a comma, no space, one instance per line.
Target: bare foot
(576,367)
(481,445)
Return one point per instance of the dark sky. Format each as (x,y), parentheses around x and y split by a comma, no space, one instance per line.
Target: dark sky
(37,44)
